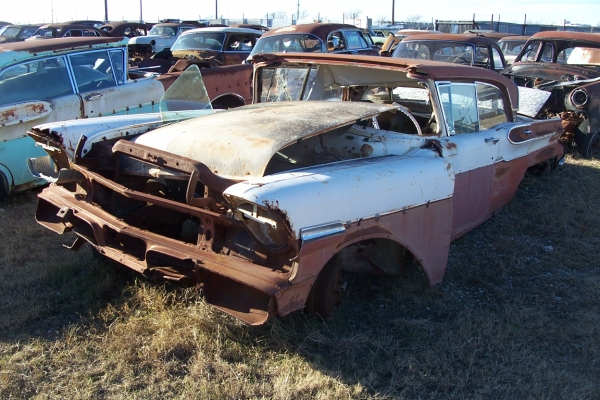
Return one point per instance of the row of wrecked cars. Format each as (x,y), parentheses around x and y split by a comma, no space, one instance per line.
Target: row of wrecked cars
(342,163)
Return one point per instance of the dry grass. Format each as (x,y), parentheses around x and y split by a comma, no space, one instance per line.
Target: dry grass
(517,317)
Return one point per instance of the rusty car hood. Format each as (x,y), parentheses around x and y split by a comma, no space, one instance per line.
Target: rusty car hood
(230,144)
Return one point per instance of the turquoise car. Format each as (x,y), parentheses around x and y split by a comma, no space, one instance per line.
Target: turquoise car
(52,80)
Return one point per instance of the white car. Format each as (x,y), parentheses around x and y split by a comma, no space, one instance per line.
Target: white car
(346,163)
(161,36)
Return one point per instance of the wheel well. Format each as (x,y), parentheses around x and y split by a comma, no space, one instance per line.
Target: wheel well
(374,256)
(4,186)
(226,101)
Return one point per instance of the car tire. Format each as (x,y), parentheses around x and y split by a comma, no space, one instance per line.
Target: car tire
(4,190)
(588,144)
(325,294)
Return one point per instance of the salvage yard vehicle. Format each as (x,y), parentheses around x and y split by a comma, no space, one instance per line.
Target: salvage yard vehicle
(66,30)
(345,163)
(161,37)
(127,29)
(465,49)
(55,79)
(316,38)
(567,65)
(17,33)
(220,46)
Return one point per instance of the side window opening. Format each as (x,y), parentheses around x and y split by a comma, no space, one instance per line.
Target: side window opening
(92,71)
(471,108)
(35,80)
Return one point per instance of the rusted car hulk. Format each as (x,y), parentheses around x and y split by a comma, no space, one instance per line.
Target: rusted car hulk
(262,206)
(567,65)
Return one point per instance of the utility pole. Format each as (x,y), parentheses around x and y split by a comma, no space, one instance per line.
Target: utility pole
(298,12)
(393,10)
(105,10)
(216,10)
(141,19)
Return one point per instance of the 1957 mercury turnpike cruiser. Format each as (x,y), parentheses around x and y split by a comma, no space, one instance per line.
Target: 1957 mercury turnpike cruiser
(344,163)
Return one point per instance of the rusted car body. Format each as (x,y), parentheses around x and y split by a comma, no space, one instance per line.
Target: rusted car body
(316,38)
(56,79)
(161,37)
(463,49)
(262,206)
(126,29)
(50,31)
(567,65)
(17,33)
(391,41)
(219,46)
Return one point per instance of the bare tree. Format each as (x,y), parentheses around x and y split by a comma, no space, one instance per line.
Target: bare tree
(303,14)
(352,14)
(414,18)
(278,15)
(381,20)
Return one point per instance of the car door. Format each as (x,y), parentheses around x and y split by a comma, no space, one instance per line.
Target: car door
(100,80)
(31,93)
(238,47)
(472,115)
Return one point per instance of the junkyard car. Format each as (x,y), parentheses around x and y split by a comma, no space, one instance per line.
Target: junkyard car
(316,38)
(65,30)
(56,79)
(127,29)
(392,40)
(262,206)
(567,65)
(464,49)
(16,33)
(221,46)
(161,36)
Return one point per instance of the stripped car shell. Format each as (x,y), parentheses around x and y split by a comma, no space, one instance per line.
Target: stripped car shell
(566,65)
(262,206)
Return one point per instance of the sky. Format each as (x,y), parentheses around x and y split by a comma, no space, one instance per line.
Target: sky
(535,11)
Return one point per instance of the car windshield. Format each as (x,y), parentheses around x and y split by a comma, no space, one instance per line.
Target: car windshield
(297,43)
(9,31)
(163,30)
(511,46)
(199,41)
(437,50)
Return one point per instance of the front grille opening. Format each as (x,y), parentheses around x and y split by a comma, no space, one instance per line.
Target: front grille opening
(86,232)
(127,244)
(189,231)
(156,260)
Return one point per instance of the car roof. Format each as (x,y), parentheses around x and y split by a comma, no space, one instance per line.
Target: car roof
(566,35)
(318,29)
(18,51)
(451,37)
(23,25)
(423,69)
(67,25)
(514,38)
(119,24)
(222,29)
(174,24)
